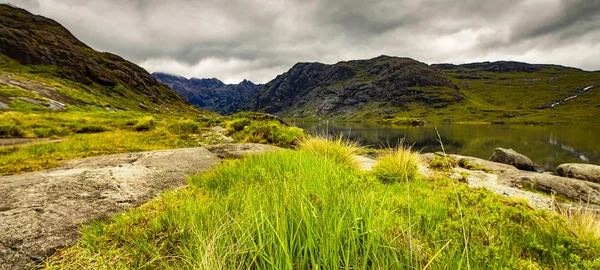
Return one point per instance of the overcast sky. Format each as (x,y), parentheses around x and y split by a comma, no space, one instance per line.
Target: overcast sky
(234,40)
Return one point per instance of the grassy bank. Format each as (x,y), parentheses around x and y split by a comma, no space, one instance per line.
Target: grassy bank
(311,208)
(86,133)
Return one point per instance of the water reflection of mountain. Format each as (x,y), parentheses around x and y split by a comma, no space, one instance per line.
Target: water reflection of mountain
(548,146)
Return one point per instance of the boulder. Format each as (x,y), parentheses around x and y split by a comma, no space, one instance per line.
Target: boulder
(566,187)
(587,172)
(511,157)
(492,166)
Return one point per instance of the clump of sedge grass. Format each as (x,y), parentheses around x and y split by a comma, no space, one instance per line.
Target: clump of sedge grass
(337,149)
(397,165)
(582,221)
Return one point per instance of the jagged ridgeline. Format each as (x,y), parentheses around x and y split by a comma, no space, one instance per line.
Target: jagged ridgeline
(42,63)
(395,88)
(212,94)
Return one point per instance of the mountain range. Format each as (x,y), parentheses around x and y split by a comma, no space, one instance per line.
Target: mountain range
(391,87)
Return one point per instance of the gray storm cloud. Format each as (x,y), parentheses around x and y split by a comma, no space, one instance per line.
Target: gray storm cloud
(249,39)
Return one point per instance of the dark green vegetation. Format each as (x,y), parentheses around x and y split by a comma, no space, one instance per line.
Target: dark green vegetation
(309,209)
(39,55)
(403,91)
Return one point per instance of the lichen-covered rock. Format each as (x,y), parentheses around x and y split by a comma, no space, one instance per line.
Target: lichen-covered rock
(587,172)
(511,157)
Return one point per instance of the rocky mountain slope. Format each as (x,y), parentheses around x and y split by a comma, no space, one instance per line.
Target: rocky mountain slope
(212,94)
(398,88)
(35,50)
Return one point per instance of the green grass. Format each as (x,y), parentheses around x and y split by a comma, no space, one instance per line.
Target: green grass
(302,210)
(98,132)
(86,134)
(265,132)
(337,149)
(397,165)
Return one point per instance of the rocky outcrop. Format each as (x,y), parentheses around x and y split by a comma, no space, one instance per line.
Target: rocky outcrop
(573,189)
(35,40)
(489,165)
(41,211)
(511,157)
(212,94)
(587,172)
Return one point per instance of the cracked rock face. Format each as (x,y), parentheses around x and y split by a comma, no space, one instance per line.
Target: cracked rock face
(41,211)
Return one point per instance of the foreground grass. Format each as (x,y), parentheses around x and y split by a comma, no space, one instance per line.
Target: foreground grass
(308,209)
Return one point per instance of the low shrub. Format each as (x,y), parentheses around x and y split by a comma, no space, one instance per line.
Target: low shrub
(465,163)
(183,128)
(267,132)
(11,131)
(398,165)
(146,124)
(443,162)
(237,124)
(90,129)
(45,132)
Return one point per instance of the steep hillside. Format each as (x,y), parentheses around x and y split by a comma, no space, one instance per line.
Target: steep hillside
(212,94)
(521,92)
(42,62)
(383,84)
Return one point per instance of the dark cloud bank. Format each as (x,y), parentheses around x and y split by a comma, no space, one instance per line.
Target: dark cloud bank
(250,39)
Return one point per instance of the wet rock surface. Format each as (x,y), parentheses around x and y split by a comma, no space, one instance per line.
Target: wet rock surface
(587,172)
(41,211)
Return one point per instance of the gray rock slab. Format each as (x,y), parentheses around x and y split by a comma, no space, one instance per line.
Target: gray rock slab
(42,211)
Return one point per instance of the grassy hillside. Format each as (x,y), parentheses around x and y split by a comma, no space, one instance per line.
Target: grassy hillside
(34,46)
(311,208)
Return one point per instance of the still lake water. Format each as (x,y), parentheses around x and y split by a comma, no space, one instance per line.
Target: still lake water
(548,146)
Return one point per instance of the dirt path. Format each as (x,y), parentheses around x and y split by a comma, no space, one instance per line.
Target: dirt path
(41,211)
(8,142)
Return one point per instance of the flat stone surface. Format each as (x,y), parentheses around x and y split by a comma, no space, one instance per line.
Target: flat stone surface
(42,211)
(239,150)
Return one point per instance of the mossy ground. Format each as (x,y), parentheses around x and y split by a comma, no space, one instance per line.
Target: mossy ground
(301,209)
(98,132)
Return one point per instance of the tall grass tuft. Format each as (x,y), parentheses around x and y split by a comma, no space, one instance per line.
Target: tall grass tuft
(337,149)
(582,221)
(397,165)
